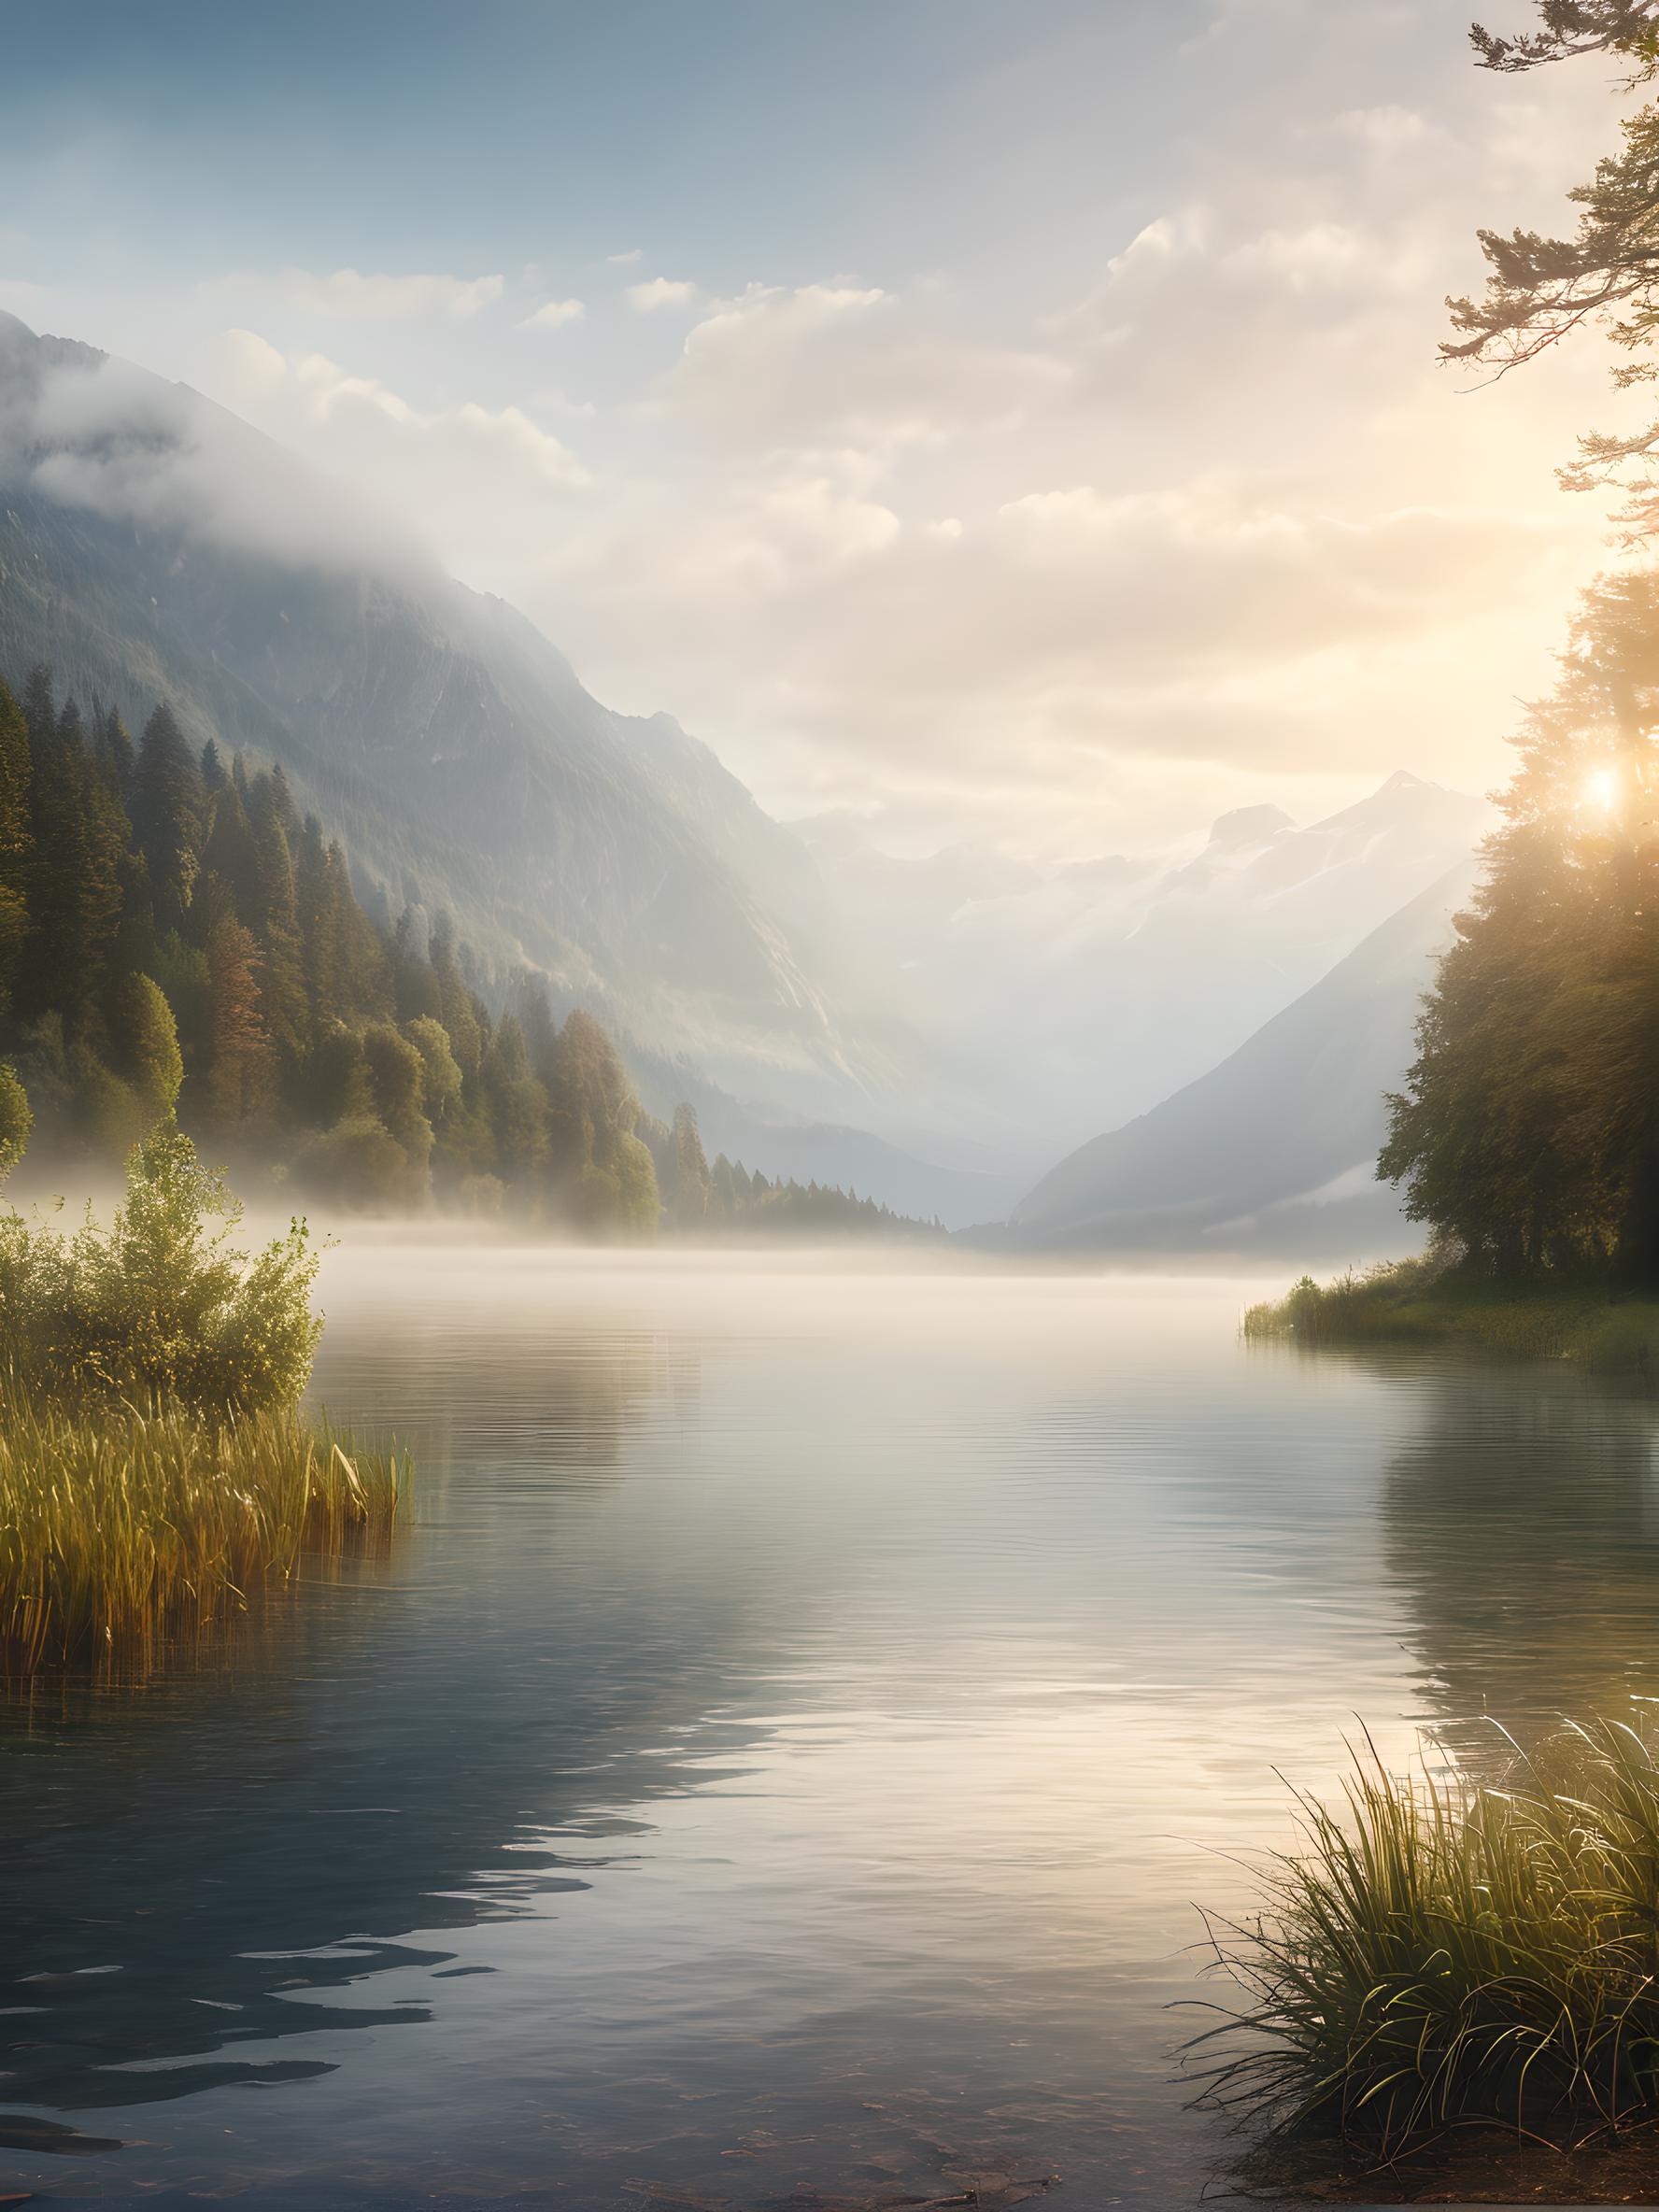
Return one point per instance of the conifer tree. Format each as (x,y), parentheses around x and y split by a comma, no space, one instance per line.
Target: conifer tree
(78,840)
(238,1081)
(14,838)
(169,818)
(688,1197)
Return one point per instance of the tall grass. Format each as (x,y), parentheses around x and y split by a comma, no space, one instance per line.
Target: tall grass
(1438,1953)
(1422,1302)
(122,1532)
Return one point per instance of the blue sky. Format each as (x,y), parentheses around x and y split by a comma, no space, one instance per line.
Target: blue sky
(1013,423)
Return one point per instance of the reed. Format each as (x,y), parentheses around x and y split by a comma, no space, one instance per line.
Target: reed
(122,1532)
(1437,1954)
(1418,1301)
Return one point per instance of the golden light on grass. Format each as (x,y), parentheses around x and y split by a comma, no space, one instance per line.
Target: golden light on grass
(1440,1954)
(121,1533)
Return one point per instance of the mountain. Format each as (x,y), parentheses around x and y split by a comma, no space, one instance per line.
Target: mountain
(1273,1150)
(1092,990)
(152,544)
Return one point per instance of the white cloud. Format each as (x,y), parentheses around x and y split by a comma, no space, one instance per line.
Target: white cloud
(1087,521)
(351,295)
(486,485)
(847,364)
(661,291)
(554,314)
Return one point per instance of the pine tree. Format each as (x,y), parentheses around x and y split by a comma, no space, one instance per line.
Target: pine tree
(688,1194)
(275,919)
(238,1086)
(169,818)
(14,838)
(112,749)
(77,835)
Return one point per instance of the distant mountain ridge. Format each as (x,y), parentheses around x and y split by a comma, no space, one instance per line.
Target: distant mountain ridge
(931,1031)
(1096,988)
(1275,1148)
(151,544)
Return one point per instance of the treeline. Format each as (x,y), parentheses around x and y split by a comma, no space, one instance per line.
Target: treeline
(1529,1134)
(726,1200)
(176,939)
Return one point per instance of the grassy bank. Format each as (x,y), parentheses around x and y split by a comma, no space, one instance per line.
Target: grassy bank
(1415,1301)
(156,1475)
(123,1533)
(1439,1956)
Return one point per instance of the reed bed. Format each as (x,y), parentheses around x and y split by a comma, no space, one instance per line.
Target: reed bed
(1414,1303)
(122,1532)
(1437,1954)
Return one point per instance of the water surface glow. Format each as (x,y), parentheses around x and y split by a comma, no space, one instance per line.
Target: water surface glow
(784,1755)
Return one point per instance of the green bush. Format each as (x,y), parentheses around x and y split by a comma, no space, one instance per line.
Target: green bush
(1439,1954)
(159,1309)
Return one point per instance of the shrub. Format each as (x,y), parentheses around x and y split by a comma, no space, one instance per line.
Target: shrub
(1440,1953)
(16,1120)
(159,1309)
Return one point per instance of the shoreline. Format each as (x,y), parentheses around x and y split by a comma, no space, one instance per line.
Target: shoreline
(1409,1303)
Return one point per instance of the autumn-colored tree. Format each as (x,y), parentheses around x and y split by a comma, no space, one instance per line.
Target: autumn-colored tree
(238,1083)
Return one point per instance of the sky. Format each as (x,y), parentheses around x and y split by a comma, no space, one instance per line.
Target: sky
(1018,426)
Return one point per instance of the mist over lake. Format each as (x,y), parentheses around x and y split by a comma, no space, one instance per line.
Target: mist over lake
(784,1750)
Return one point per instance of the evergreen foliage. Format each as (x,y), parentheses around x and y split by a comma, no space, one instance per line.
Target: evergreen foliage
(1529,1128)
(176,941)
(1540,290)
(727,1200)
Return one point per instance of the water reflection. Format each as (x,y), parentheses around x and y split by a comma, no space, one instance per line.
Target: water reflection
(1522,1525)
(779,1762)
(392,1755)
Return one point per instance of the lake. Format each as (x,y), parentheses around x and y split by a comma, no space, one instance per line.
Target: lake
(779,1763)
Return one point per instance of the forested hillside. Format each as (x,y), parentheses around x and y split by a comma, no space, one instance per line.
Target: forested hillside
(176,939)
(153,544)
(173,936)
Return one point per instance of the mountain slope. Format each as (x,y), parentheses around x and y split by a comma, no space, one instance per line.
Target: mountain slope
(1091,990)
(1271,1149)
(152,543)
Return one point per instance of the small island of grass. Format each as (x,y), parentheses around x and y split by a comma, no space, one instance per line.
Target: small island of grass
(155,1471)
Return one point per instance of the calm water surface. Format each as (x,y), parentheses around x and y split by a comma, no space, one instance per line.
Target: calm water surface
(778,1766)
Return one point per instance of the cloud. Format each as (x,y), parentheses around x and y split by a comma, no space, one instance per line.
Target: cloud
(661,291)
(489,484)
(351,295)
(848,364)
(111,438)
(1140,500)
(553,315)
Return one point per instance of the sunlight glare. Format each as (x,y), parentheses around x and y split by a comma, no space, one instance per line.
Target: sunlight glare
(1601,787)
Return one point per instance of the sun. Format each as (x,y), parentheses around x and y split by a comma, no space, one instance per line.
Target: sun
(1601,787)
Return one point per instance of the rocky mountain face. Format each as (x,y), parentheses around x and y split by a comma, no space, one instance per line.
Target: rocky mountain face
(931,1031)
(1274,1148)
(150,544)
